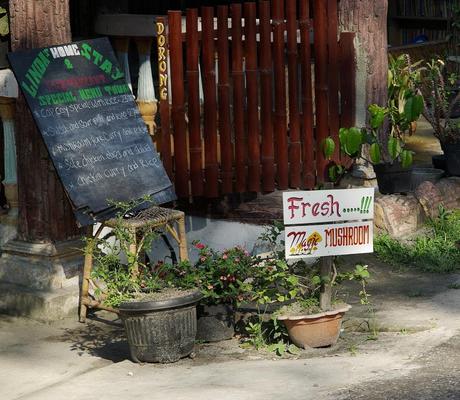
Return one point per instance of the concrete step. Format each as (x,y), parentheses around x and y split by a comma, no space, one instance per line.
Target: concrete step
(44,305)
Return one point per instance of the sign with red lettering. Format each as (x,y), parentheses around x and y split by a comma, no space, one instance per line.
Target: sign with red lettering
(329,240)
(310,207)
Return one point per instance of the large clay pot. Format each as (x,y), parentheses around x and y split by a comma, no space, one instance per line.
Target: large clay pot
(161,331)
(316,330)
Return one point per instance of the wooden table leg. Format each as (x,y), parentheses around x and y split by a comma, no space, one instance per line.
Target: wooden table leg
(183,254)
(84,296)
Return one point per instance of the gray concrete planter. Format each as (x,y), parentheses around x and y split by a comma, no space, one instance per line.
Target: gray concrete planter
(215,322)
(161,331)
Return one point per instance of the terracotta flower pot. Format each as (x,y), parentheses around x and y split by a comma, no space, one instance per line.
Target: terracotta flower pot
(316,330)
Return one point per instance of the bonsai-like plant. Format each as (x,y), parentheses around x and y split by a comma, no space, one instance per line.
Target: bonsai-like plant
(440,100)
(125,274)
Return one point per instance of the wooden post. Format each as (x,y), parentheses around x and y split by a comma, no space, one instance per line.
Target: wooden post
(326,287)
(87,267)
(325,272)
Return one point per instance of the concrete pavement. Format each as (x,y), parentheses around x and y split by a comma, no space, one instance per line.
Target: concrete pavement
(418,316)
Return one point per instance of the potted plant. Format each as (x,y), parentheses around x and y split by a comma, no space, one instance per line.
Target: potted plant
(386,131)
(156,304)
(222,277)
(315,318)
(441,98)
(392,163)
(310,310)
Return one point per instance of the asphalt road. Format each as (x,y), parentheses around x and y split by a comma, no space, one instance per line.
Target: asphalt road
(438,378)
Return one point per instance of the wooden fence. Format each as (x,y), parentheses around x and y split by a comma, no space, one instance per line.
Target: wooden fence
(271,94)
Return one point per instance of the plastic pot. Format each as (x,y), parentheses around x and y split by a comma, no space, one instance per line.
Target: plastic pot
(452,153)
(215,322)
(439,161)
(420,175)
(393,178)
(161,331)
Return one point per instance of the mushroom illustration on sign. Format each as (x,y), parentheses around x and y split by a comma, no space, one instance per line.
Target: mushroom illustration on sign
(305,246)
(312,242)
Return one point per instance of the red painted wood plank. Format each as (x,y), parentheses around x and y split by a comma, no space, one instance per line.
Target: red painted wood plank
(177,105)
(226,148)
(266,103)
(347,85)
(210,103)
(238,99)
(192,50)
(321,85)
(280,120)
(333,73)
(294,120)
(250,48)
(308,153)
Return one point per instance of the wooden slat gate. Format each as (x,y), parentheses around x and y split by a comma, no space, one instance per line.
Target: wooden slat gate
(252,96)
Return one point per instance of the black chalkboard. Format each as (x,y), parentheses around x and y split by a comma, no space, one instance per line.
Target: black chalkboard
(91,126)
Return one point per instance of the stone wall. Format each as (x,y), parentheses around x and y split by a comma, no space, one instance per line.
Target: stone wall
(401,216)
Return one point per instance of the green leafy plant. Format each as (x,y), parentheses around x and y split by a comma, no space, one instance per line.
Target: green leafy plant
(124,274)
(440,99)
(403,109)
(437,250)
(221,276)
(295,287)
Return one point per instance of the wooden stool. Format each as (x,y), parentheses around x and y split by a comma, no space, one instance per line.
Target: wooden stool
(154,217)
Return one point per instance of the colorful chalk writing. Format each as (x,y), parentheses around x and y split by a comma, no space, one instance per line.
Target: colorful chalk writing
(92,127)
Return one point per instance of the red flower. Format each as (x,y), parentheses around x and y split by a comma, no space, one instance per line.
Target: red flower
(200,246)
(224,257)
(202,259)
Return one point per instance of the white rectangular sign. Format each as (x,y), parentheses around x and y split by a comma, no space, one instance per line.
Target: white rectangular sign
(329,240)
(310,207)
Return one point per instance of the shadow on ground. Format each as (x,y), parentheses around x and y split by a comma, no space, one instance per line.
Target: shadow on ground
(97,337)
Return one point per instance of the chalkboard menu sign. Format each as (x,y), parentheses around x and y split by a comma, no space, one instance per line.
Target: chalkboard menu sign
(91,126)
